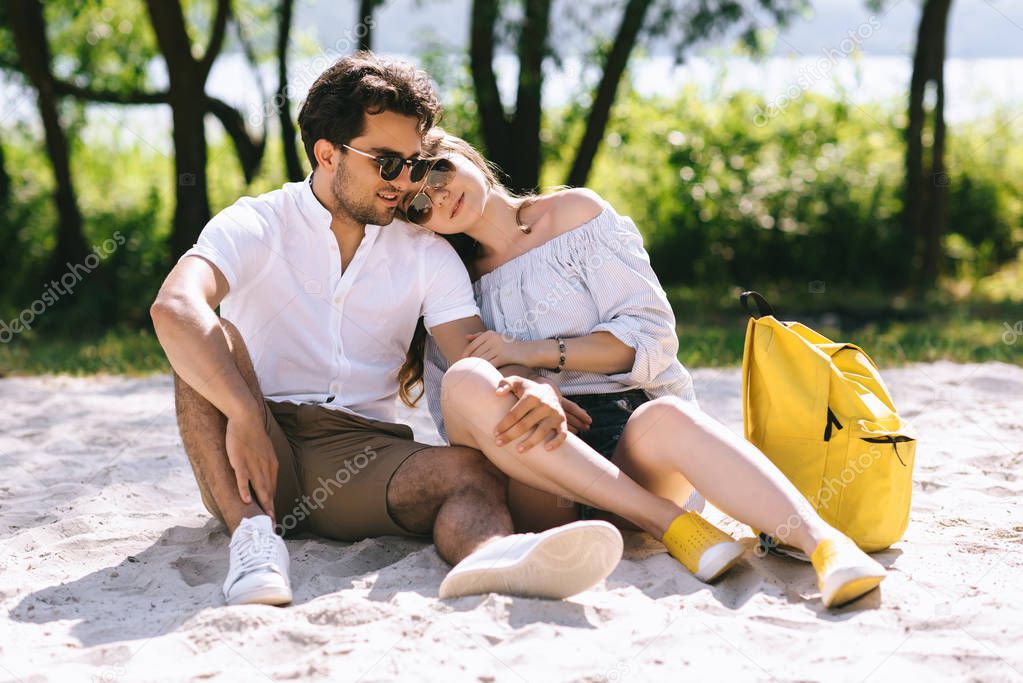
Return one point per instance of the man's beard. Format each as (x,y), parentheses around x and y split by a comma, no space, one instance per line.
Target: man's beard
(358,208)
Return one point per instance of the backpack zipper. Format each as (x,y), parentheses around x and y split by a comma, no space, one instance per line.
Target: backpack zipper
(832,421)
(889,439)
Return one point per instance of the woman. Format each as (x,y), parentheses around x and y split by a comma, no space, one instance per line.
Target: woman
(565,286)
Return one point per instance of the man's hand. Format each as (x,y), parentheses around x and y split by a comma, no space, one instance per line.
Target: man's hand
(537,415)
(252,457)
(578,419)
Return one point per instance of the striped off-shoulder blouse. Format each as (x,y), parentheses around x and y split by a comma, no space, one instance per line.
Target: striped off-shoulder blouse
(596,277)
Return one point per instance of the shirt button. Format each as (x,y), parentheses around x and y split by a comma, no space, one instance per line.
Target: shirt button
(337,299)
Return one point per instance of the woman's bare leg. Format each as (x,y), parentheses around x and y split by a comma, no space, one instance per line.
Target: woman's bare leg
(670,445)
(472,409)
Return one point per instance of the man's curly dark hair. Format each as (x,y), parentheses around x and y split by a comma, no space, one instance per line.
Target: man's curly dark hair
(360,84)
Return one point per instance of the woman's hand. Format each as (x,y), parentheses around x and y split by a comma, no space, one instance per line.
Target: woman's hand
(577,419)
(497,349)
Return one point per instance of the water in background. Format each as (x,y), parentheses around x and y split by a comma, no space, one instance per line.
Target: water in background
(974,87)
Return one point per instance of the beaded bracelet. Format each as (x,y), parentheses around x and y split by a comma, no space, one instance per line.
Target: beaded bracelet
(561,351)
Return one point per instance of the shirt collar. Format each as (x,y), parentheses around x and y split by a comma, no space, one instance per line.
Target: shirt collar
(316,212)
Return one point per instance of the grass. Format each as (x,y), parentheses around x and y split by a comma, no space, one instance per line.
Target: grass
(888,343)
(712,325)
(710,335)
(118,351)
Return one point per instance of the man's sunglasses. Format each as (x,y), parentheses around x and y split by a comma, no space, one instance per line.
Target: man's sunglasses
(420,208)
(391,165)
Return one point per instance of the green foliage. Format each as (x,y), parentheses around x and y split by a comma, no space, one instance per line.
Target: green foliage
(452,77)
(985,204)
(813,195)
(26,222)
(106,44)
(124,186)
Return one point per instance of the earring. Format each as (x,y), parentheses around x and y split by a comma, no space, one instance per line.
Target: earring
(523,228)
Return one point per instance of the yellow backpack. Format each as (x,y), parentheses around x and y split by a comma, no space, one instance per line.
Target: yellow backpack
(821,412)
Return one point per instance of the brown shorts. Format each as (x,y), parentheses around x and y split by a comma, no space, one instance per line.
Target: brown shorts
(334,469)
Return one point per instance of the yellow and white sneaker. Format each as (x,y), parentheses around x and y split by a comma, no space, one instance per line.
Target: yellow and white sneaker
(704,549)
(844,572)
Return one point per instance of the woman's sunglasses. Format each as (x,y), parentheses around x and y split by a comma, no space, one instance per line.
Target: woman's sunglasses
(420,208)
(391,165)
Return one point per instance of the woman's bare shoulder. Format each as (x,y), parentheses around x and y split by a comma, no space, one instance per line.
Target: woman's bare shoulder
(572,208)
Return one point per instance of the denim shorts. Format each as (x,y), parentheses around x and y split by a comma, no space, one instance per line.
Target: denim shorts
(610,413)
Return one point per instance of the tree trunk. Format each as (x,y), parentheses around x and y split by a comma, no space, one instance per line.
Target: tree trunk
(912,210)
(494,125)
(364,23)
(935,212)
(926,191)
(187,98)
(513,144)
(29,29)
(5,180)
(249,150)
(292,164)
(525,171)
(603,100)
(192,209)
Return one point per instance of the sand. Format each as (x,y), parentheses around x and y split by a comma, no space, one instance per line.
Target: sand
(111,569)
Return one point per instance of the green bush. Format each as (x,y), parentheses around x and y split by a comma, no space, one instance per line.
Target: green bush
(812,196)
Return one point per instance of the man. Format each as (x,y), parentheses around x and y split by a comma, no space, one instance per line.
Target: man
(286,412)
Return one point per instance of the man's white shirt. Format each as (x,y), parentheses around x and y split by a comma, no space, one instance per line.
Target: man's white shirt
(315,333)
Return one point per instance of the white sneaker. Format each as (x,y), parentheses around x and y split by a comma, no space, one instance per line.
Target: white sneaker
(554,564)
(259,565)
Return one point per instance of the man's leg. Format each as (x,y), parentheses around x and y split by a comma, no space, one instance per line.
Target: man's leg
(454,492)
(462,496)
(203,433)
(259,564)
(535,510)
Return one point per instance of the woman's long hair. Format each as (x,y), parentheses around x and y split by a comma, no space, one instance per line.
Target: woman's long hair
(410,375)
(439,143)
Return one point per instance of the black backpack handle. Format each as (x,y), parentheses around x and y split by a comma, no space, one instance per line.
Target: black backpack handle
(763,308)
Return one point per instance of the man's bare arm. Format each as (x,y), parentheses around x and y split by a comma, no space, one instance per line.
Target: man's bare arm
(189,331)
(452,338)
(191,335)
